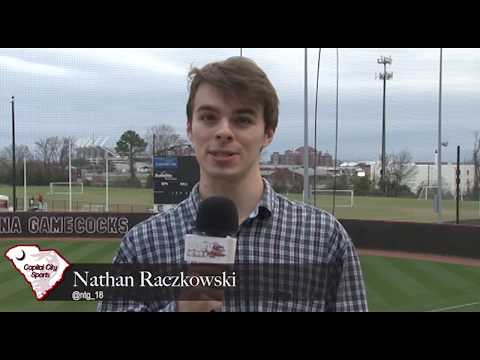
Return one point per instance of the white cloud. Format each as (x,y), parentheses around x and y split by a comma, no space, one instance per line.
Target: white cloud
(139,59)
(111,90)
(18,65)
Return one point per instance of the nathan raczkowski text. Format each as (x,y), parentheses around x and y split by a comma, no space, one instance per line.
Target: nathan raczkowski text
(148,279)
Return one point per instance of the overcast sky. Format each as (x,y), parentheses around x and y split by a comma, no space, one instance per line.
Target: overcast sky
(103,92)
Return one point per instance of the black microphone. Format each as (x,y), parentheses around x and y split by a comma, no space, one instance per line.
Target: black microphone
(217,216)
(214,239)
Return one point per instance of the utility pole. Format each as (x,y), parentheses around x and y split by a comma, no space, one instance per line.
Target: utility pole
(106,182)
(107,200)
(153,163)
(306,185)
(153,145)
(70,174)
(14,167)
(457,183)
(384,76)
(25,183)
(439,165)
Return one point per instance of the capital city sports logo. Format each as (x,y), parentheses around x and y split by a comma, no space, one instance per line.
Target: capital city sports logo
(42,269)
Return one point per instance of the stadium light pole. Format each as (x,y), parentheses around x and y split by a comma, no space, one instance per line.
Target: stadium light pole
(24,183)
(439,163)
(14,168)
(153,166)
(457,183)
(107,200)
(154,145)
(106,182)
(306,185)
(384,76)
(70,175)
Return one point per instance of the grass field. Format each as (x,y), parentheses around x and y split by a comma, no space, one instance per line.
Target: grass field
(365,208)
(392,284)
(120,199)
(399,209)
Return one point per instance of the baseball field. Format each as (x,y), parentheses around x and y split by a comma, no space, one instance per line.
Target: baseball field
(393,284)
(364,207)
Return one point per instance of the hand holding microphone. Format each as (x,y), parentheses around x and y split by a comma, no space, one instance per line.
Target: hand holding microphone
(211,248)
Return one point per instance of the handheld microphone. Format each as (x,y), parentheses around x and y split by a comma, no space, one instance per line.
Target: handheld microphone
(214,241)
(217,216)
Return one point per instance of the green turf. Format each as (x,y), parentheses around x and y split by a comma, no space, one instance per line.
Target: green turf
(120,199)
(410,285)
(140,200)
(398,209)
(392,284)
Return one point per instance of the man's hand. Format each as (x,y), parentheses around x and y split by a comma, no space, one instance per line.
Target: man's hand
(202,300)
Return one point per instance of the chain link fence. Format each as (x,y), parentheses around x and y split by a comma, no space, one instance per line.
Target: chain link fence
(80,206)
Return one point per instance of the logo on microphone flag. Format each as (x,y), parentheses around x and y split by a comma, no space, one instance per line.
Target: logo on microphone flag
(209,249)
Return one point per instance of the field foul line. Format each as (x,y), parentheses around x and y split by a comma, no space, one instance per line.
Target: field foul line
(454,307)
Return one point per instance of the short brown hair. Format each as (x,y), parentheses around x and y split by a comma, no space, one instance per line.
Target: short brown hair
(238,76)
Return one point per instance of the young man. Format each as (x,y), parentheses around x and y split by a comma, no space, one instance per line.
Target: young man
(232,114)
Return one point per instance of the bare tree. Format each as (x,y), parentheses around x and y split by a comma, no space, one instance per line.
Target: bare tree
(63,152)
(398,171)
(165,137)
(54,147)
(21,152)
(48,150)
(41,150)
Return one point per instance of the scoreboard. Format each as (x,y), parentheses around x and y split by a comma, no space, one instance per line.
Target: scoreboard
(174,178)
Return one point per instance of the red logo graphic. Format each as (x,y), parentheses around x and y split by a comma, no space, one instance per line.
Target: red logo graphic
(216,250)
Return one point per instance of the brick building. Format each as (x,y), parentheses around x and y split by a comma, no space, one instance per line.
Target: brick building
(296,157)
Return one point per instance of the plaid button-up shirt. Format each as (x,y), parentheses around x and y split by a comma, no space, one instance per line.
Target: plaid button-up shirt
(279,231)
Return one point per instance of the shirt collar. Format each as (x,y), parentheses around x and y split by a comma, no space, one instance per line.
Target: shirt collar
(263,209)
(266,204)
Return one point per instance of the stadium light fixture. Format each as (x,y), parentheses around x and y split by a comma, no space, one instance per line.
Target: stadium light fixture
(384,76)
